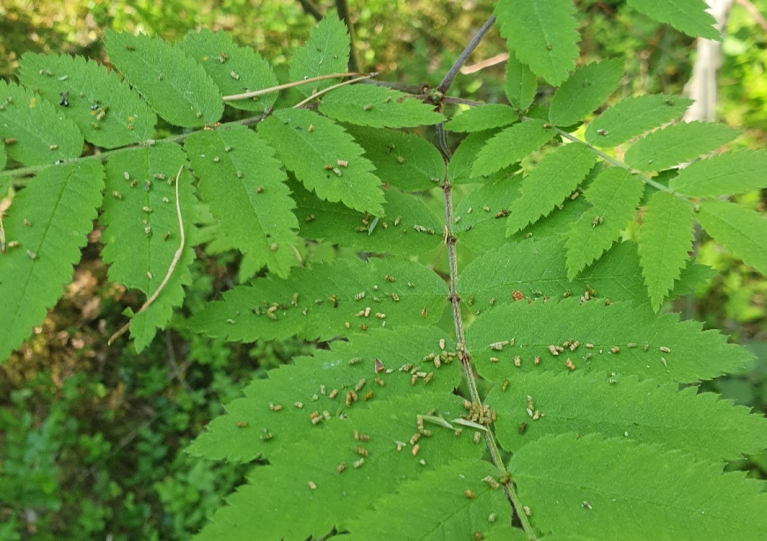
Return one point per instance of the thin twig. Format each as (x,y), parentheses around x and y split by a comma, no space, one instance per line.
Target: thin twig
(333,87)
(277,88)
(311,9)
(173,263)
(342,8)
(482,64)
(748,6)
(455,68)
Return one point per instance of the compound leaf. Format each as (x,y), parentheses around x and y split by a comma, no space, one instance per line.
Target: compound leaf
(614,196)
(107,111)
(548,184)
(485,117)
(408,226)
(326,53)
(234,69)
(379,107)
(742,231)
(543,34)
(688,16)
(142,234)
(510,146)
(49,219)
(677,143)
(648,346)
(520,83)
(246,189)
(665,239)
(724,174)
(669,495)
(633,116)
(329,300)
(33,132)
(401,159)
(176,86)
(585,90)
(324,158)
(700,424)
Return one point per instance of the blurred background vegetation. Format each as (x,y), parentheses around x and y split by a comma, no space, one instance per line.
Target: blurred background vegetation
(92,439)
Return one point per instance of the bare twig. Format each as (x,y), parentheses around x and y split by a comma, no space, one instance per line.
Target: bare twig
(171,268)
(758,17)
(482,64)
(277,88)
(342,7)
(311,8)
(448,80)
(328,89)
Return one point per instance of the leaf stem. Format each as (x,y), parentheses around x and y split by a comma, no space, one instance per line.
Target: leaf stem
(333,87)
(171,268)
(456,67)
(285,86)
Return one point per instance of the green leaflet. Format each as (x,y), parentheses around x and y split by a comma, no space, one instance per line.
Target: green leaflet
(379,107)
(324,158)
(301,494)
(298,388)
(326,53)
(33,132)
(693,355)
(462,161)
(3,158)
(688,16)
(457,501)
(742,231)
(327,301)
(485,117)
(548,184)
(407,228)
(724,174)
(234,69)
(481,226)
(669,496)
(401,159)
(676,144)
(633,116)
(665,238)
(585,90)
(614,196)
(49,219)
(246,189)
(107,111)
(543,35)
(510,146)
(520,83)
(142,234)
(699,424)
(176,87)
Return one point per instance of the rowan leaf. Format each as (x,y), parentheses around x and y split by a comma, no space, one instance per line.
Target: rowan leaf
(484,117)
(542,34)
(690,354)
(49,219)
(33,132)
(510,146)
(633,116)
(585,90)
(742,231)
(141,234)
(676,144)
(688,16)
(176,86)
(556,177)
(700,424)
(324,158)
(665,239)
(325,53)
(379,107)
(329,300)
(616,489)
(520,83)
(245,186)
(724,174)
(614,196)
(463,158)
(401,159)
(105,109)
(234,69)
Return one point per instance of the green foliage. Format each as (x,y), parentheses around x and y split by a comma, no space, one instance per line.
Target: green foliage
(688,16)
(351,253)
